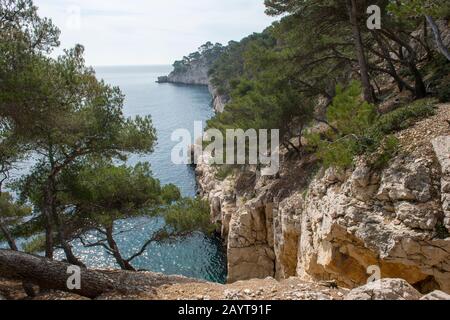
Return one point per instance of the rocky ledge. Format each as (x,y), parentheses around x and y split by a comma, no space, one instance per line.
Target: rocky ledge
(296,289)
(256,289)
(337,226)
(197,74)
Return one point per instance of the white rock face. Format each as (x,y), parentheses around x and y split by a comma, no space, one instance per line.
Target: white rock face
(197,73)
(436,295)
(441,147)
(287,226)
(389,223)
(339,224)
(249,244)
(219,101)
(385,289)
(445,32)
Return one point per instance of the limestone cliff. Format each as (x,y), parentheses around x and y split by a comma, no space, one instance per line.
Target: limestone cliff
(219,101)
(197,74)
(331,225)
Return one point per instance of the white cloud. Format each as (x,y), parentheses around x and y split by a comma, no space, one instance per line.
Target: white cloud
(117,32)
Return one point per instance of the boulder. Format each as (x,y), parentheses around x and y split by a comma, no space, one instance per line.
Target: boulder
(436,295)
(385,289)
(196,74)
(344,230)
(441,146)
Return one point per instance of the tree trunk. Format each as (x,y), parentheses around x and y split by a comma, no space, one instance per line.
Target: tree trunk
(364,70)
(71,258)
(420,89)
(425,40)
(46,210)
(53,219)
(438,38)
(11,242)
(27,287)
(53,275)
(419,86)
(400,83)
(124,264)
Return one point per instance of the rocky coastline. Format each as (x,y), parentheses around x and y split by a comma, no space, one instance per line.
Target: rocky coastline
(197,74)
(336,226)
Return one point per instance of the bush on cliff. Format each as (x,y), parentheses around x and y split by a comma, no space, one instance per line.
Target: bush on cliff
(356,129)
(404,117)
(350,119)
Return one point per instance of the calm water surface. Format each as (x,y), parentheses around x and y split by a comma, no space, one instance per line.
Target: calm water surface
(171,107)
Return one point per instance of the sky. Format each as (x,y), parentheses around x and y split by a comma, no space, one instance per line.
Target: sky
(146,32)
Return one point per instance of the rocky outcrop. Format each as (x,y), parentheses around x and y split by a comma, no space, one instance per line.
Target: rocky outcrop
(337,225)
(388,220)
(219,101)
(441,147)
(256,289)
(386,289)
(436,295)
(197,74)
(429,37)
(443,26)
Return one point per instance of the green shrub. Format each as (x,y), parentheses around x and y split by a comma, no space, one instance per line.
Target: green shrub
(359,131)
(443,89)
(389,149)
(339,154)
(35,245)
(439,83)
(348,113)
(351,117)
(403,117)
(224,172)
(189,215)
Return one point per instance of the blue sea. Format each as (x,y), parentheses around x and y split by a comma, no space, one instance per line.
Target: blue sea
(172,107)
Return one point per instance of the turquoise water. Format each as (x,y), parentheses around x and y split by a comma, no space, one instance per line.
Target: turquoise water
(171,107)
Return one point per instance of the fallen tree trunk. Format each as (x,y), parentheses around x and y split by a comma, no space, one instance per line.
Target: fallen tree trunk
(53,275)
(49,274)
